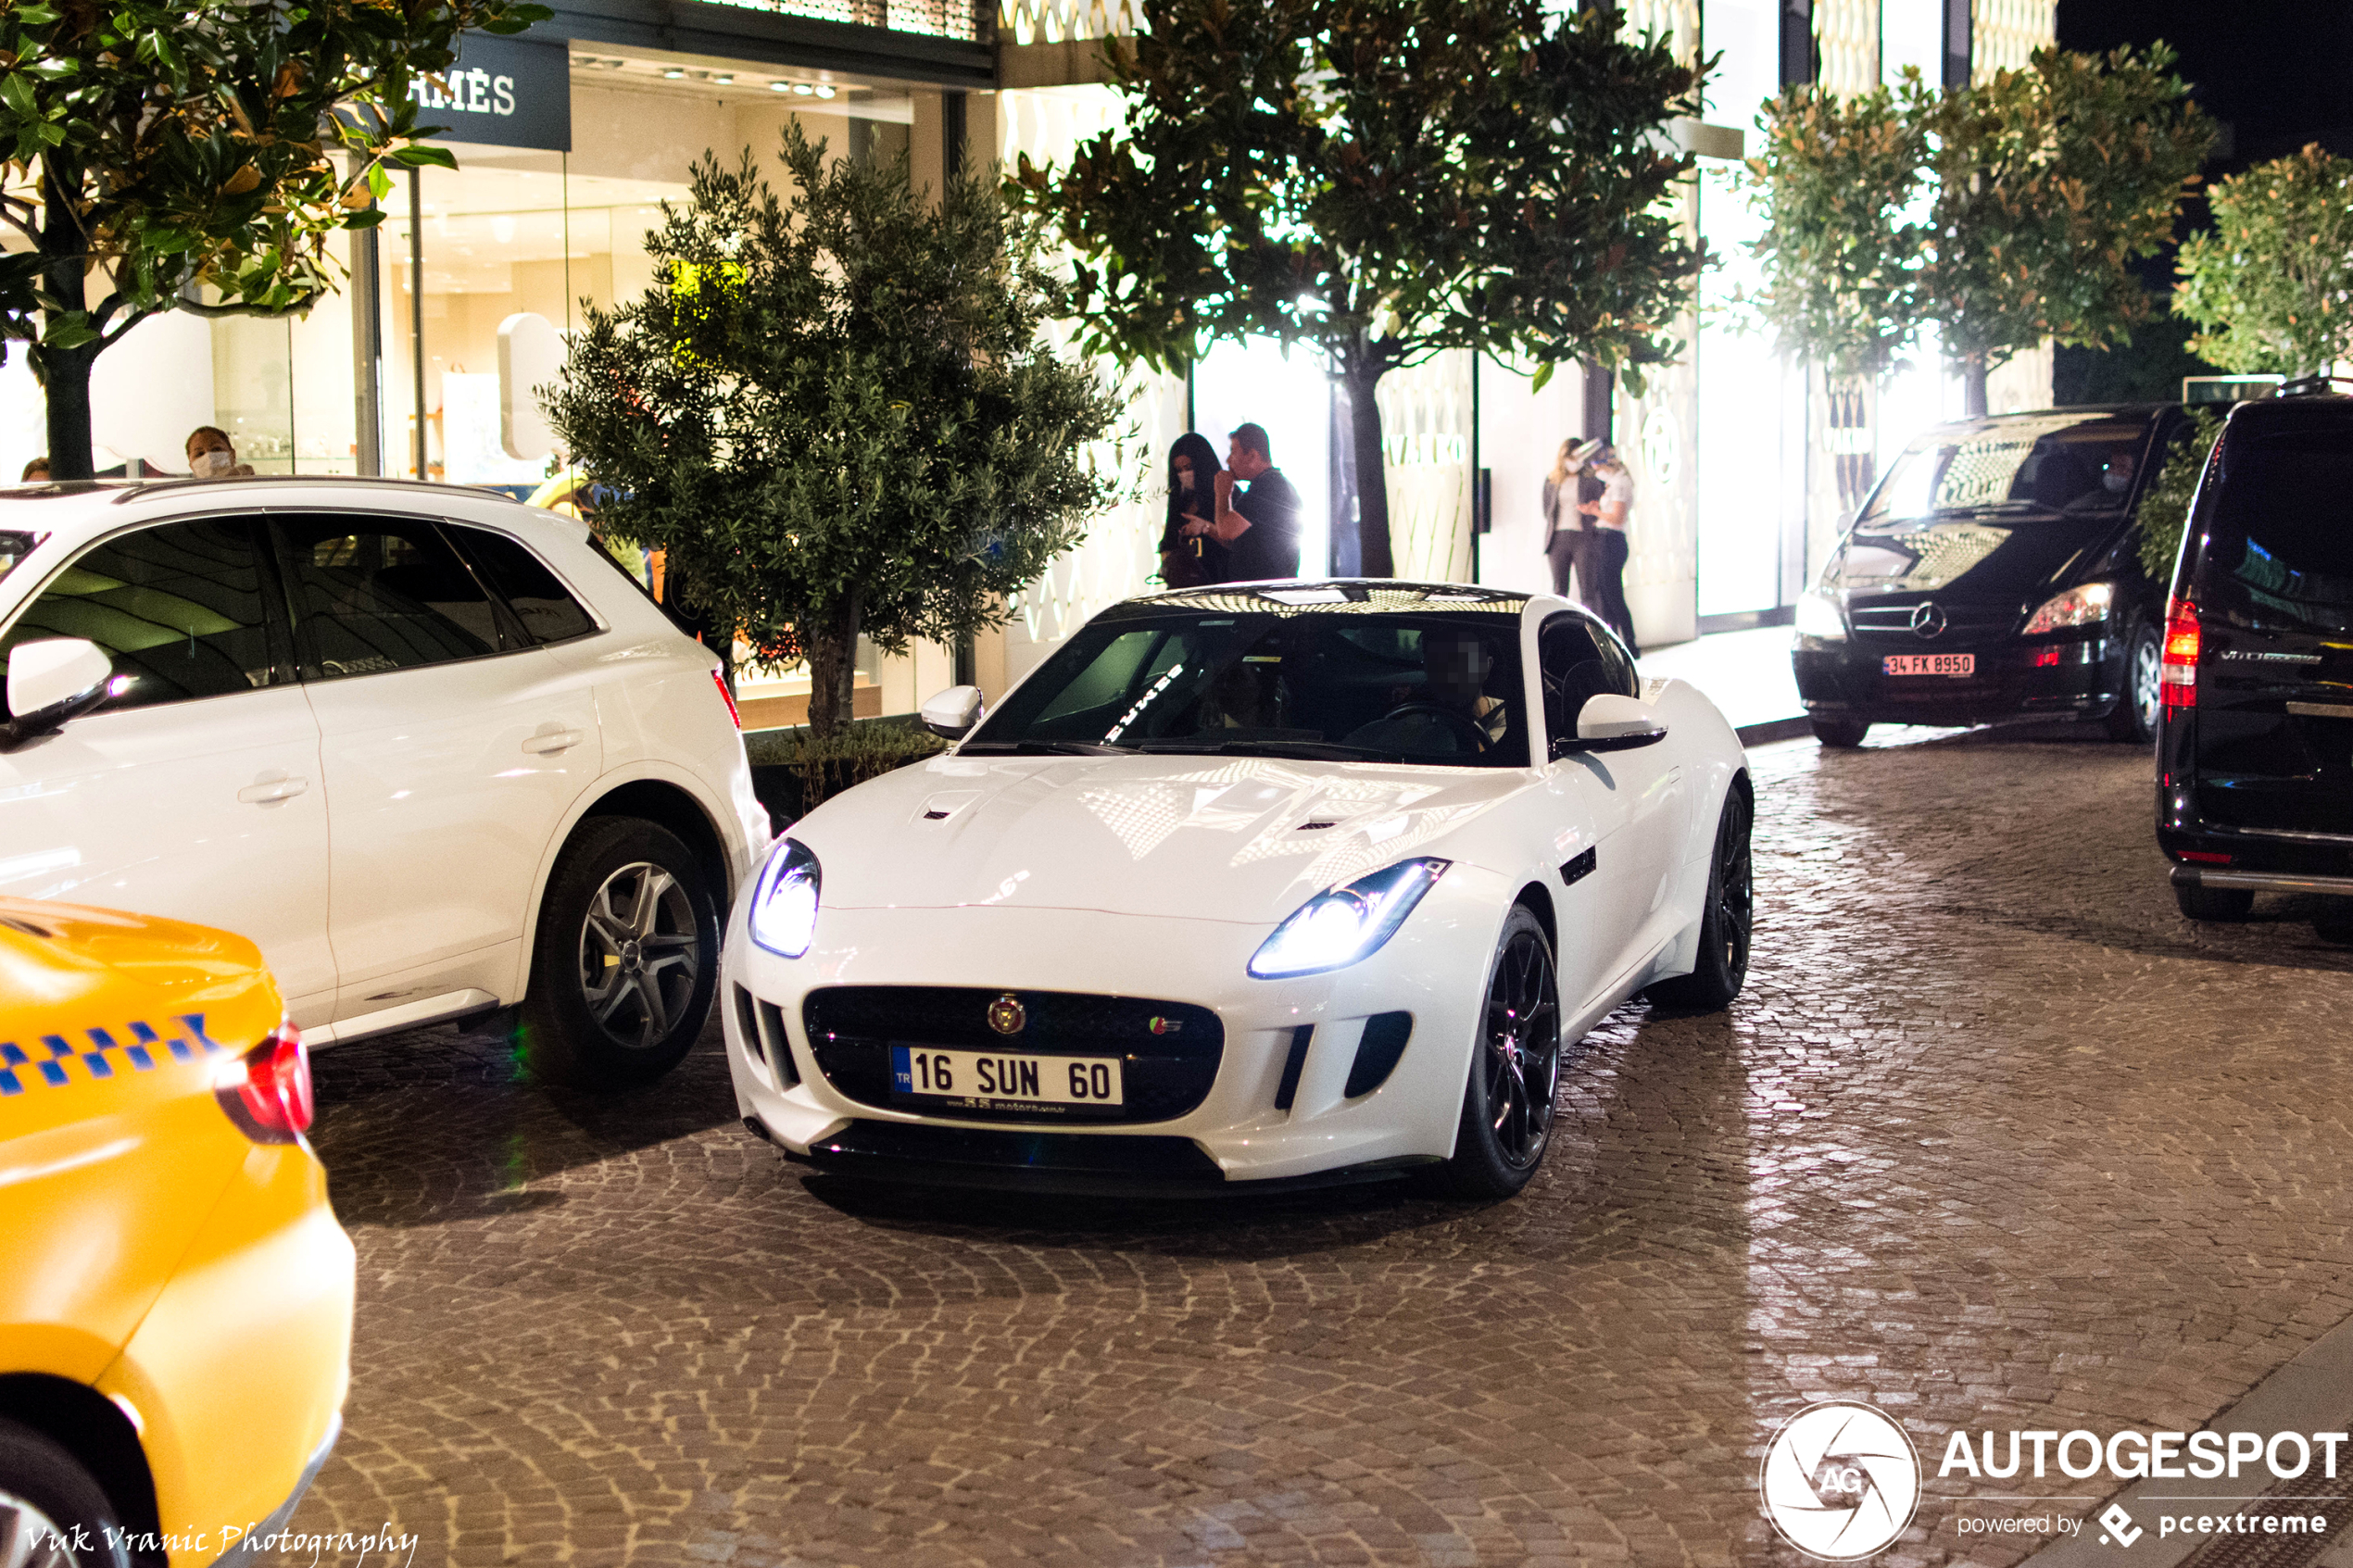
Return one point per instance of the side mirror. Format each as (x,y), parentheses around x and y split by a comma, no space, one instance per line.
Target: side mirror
(50,682)
(954,713)
(1610,723)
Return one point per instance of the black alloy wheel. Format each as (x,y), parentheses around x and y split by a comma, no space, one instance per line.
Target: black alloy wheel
(625,962)
(2143,704)
(1728,920)
(1844,733)
(1506,1120)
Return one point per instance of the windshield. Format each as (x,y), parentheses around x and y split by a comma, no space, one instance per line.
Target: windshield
(2063,463)
(1441,689)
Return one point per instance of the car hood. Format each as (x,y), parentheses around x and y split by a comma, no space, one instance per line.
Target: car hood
(1243,840)
(1996,558)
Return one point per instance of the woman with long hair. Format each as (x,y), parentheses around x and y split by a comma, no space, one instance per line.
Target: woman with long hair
(1604,594)
(1566,530)
(1192,497)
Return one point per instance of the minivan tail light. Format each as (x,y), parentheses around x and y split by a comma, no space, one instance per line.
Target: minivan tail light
(728,697)
(267,1091)
(2177,667)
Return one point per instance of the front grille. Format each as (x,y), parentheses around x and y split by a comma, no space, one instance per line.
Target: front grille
(1890,625)
(1164,1073)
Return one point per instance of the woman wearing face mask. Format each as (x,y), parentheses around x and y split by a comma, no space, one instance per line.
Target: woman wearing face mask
(210,455)
(1192,497)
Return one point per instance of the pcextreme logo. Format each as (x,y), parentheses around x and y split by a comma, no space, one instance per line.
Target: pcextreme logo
(1839,1481)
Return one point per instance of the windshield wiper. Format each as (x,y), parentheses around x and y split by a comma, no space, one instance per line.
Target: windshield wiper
(1047,748)
(1305,750)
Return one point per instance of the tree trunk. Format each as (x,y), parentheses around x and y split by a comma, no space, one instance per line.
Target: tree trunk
(1373,556)
(1973,373)
(65,372)
(833,668)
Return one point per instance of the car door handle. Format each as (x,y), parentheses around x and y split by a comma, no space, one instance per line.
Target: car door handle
(551,741)
(268,790)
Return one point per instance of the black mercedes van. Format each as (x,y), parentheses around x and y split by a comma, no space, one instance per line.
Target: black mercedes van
(1994,573)
(2255,749)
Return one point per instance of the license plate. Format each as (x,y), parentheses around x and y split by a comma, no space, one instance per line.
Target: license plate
(1006,1081)
(1963,664)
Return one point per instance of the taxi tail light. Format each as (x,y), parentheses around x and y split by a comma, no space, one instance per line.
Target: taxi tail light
(2177,667)
(728,697)
(267,1091)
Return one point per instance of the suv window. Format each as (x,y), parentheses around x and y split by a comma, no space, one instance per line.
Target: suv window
(372,595)
(178,605)
(2278,525)
(538,599)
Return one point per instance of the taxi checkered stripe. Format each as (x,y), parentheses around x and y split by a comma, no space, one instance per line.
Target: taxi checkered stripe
(48,1062)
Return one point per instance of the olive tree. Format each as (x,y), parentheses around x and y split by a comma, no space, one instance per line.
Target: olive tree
(840,415)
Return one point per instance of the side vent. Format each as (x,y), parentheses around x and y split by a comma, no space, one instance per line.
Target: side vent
(1578,868)
(1379,1051)
(1295,1063)
(763,1027)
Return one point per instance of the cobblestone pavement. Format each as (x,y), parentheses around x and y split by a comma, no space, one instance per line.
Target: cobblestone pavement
(1993,1139)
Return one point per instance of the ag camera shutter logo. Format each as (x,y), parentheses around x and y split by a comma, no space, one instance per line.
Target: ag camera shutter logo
(1839,1481)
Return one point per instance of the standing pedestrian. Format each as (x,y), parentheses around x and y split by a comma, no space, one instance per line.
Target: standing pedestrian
(213,456)
(1190,559)
(1568,531)
(1259,527)
(1604,591)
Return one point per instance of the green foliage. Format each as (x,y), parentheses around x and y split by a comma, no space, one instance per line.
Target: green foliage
(2165,507)
(2147,369)
(808,772)
(159,148)
(1381,180)
(2006,213)
(2272,283)
(839,416)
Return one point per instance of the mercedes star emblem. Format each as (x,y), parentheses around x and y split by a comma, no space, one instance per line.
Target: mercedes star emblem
(1007,1016)
(1927,620)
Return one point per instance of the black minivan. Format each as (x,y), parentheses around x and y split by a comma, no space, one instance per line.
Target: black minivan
(2255,752)
(1994,573)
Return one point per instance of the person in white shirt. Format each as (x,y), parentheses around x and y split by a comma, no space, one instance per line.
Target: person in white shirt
(1602,588)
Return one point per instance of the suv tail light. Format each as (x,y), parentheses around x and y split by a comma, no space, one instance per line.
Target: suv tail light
(2177,668)
(267,1091)
(728,697)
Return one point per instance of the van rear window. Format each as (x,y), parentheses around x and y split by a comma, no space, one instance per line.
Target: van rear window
(2281,528)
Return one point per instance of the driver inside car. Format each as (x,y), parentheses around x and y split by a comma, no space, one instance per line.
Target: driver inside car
(1451,713)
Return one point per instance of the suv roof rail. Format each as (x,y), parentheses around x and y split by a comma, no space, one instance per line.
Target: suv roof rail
(2310,386)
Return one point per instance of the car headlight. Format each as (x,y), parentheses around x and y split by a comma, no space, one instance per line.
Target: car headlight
(2086,605)
(1817,617)
(1344,924)
(783,902)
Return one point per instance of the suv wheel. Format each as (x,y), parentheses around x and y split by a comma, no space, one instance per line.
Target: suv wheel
(2138,709)
(2213,903)
(1841,733)
(625,960)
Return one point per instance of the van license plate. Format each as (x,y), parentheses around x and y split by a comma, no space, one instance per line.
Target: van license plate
(1006,1081)
(1961,664)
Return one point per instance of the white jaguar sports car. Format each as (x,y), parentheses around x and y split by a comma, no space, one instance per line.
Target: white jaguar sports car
(1246,888)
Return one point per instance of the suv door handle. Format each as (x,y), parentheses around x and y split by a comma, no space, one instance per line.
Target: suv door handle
(268,790)
(549,742)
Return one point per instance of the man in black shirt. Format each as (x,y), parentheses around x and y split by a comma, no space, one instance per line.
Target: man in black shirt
(1259,526)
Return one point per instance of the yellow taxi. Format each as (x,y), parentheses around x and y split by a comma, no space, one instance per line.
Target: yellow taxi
(175,1292)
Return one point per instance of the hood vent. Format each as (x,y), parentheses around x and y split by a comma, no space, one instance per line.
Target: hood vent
(1314,827)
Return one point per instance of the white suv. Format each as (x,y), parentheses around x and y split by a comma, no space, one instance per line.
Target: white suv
(433,751)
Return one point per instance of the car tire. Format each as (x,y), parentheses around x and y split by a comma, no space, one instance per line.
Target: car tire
(2134,720)
(1726,922)
(2213,903)
(1844,734)
(44,1492)
(1508,1099)
(626,960)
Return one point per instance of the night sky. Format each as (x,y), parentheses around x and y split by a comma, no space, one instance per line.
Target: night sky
(2279,72)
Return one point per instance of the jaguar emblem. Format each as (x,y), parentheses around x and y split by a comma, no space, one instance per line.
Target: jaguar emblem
(1928,621)
(1007,1016)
